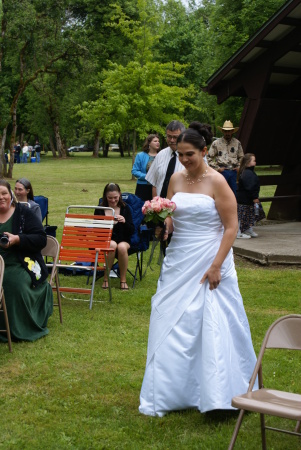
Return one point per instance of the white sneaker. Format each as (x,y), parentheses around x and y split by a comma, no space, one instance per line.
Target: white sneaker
(242,236)
(251,233)
(113,274)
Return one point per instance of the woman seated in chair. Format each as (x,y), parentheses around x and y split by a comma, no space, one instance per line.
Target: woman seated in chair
(28,295)
(24,193)
(122,231)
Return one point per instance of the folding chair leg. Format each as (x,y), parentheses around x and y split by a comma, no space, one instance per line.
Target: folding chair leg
(6,323)
(140,265)
(137,268)
(139,256)
(236,429)
(94,278)
(59,299)
(108,277)
(263,438)
(297,429)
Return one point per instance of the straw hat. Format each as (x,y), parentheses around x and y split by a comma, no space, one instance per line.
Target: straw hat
(228,126)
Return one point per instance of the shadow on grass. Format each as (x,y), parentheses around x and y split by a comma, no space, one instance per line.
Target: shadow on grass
(221,415)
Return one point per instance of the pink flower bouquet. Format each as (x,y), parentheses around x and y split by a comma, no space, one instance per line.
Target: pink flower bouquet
(158,209)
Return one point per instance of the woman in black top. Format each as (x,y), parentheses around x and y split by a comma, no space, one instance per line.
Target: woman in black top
(29,299)
(122,231)
(249,208)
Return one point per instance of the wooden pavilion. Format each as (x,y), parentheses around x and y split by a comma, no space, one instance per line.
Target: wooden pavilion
(267,72)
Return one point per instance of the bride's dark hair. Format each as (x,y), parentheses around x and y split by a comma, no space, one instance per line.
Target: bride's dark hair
(197,134)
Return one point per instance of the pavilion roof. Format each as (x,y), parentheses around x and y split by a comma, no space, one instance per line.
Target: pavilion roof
(272,53)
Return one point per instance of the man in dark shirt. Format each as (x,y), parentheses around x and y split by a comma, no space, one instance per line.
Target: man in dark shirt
(37,149)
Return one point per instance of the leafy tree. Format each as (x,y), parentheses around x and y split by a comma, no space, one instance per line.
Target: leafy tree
(137,99)
(36,34)
(143,95)
(132,65)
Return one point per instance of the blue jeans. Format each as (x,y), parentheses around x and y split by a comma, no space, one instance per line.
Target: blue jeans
(38,155)
(231,177)
(24,158)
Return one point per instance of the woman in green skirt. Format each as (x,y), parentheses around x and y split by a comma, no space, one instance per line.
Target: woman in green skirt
(28,295)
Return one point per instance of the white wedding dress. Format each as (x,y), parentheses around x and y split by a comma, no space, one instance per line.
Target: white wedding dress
(200,352)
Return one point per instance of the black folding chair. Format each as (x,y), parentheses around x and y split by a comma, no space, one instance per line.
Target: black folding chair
(140,238)
(43,203)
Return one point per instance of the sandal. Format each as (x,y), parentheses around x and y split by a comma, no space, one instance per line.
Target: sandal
(105,285)
(124,286)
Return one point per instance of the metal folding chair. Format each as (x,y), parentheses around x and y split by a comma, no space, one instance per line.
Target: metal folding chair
(285,333)
(52,250)
(3,305)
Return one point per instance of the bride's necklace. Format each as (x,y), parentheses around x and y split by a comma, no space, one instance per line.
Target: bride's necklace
(198,180)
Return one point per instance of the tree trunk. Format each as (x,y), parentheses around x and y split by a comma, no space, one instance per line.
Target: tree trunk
(59,144)
(52,146)
(120,147)
(128,144)
(105,149)
(2,157)
(134,150)
(124,141)
(96,145)
(12,141)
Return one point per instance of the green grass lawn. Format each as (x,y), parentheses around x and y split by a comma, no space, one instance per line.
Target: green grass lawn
(78,388)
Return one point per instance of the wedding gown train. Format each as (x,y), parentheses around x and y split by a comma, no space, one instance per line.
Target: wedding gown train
(200,352)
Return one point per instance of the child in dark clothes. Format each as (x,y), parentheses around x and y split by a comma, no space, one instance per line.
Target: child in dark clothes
(248,205)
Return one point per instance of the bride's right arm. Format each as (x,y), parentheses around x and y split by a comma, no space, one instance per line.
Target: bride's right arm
(168,227)
(170,193)
(174,185)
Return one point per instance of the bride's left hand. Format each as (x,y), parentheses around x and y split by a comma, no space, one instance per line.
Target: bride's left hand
(213,275)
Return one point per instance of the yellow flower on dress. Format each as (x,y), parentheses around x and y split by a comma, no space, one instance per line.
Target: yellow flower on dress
(34,267)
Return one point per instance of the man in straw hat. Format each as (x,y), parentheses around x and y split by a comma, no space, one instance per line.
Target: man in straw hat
(226,153)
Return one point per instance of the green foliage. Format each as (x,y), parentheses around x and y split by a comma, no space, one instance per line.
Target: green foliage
(135,97)
(232,23)
(144,94)
(143,32)
(72,68)
(36,37)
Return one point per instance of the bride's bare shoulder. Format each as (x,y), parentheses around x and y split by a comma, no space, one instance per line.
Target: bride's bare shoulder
(216,177)
(218,183)
(179,175)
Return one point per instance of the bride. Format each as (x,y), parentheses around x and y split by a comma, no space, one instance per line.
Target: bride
(200,352)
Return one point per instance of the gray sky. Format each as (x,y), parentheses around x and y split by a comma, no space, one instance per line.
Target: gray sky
(186,2)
